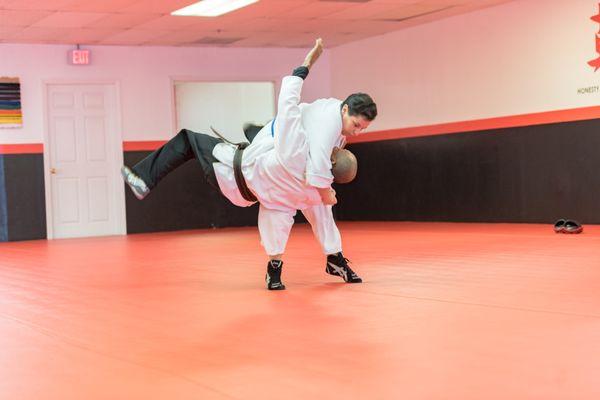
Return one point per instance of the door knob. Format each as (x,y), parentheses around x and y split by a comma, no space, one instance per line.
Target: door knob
(52,170)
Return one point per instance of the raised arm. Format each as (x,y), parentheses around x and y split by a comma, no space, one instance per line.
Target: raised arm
(290,137)
(289,94)
(314,54)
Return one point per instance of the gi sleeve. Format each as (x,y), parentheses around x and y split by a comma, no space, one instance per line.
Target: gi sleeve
(321,144)
(290,138)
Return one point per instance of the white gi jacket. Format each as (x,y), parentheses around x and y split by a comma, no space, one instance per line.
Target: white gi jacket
(275,171)
(322,120)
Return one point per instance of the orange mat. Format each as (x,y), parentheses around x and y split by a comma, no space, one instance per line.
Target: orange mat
(447,311)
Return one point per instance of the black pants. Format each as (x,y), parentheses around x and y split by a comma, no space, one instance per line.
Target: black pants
(183,147)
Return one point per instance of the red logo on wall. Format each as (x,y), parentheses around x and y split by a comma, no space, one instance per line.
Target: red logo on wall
(596,63)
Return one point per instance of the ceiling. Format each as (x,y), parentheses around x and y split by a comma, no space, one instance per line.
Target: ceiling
(268,23)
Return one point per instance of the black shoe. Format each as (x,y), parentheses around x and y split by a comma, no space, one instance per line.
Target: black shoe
(573,227)
(337,265)
(274,275)
(559,226)
(251,130)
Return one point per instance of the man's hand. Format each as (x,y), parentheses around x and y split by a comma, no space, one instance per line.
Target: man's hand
(314,54)
(327,196)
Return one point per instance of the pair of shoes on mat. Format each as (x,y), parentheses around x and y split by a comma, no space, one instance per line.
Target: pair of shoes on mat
(337,265)
(567,226)
(137,184)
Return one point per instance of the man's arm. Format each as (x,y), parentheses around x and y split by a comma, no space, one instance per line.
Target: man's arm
(288,115)
(326,135)
(289,94)
(327,194)
(314,54)
(288,121)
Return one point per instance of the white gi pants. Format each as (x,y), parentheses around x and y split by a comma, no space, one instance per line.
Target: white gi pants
(275,226)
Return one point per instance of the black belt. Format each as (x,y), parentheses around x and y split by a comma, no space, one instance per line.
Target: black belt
(239,177)
(237,168)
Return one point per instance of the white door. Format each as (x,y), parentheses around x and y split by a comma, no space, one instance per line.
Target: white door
(84,155)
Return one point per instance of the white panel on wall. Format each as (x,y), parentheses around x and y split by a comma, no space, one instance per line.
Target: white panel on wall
(63,100)
(224,105)
(95,138)
(98,199)
(93,101)
(68,193)
(64,135)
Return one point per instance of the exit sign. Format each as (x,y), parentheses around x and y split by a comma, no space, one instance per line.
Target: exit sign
(79,57)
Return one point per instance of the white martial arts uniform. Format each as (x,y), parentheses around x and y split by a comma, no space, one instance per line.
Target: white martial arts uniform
(275,171)
(322,123)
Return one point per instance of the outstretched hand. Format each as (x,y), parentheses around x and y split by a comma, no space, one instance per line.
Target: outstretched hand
(313,54)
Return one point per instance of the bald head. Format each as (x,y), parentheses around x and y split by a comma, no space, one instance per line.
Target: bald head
(343,165)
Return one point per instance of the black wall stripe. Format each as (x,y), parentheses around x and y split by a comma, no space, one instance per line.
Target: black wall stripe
(525,174)
(3,211)
(25,196)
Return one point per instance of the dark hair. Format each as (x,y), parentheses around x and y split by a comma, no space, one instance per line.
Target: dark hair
(361,104)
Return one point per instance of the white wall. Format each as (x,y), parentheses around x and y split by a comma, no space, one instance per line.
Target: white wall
(225,106)
(521,57)
(145,77)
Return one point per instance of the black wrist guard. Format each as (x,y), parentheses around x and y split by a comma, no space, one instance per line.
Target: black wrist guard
(302,72)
